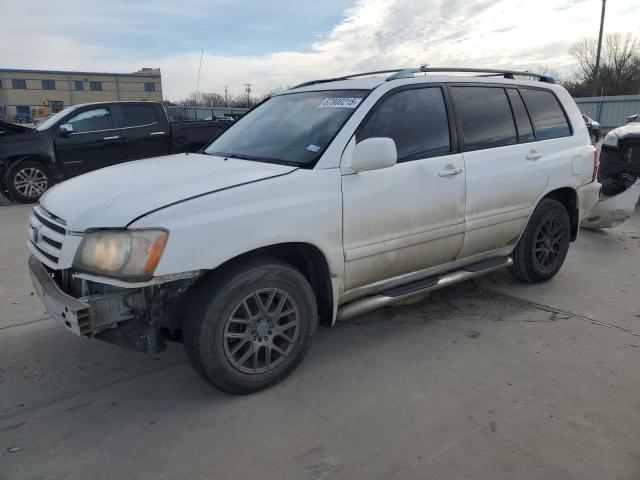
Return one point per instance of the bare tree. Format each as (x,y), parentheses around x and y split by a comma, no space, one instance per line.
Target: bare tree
(619,71)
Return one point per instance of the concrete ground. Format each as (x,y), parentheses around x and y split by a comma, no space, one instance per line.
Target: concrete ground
(489,379)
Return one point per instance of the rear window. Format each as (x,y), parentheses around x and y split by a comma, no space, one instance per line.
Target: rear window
(137,115)
(549,121)
(485,115)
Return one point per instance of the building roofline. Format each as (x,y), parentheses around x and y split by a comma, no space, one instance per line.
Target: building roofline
(151,73)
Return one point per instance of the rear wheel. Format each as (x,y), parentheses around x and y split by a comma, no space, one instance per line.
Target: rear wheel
(28,180)
(544,244)
(250,325)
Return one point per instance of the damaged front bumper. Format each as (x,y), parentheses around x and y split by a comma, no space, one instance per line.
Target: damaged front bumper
(100,310)
(610,212)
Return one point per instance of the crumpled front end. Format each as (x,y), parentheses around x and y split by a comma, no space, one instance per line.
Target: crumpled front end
(610,212)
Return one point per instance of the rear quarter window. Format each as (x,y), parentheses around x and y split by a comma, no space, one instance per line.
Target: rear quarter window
(549,120)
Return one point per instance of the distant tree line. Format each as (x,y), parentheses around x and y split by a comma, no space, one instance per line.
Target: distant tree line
(229,100)
(619,71)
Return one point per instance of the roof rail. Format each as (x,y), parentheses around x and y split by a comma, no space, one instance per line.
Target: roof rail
(409,72)
(346,77)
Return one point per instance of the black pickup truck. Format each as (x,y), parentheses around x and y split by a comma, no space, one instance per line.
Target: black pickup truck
(86,137)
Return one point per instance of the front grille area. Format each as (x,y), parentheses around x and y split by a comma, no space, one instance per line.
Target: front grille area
(45,235)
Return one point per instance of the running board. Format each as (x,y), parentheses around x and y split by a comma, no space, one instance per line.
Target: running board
(429,284)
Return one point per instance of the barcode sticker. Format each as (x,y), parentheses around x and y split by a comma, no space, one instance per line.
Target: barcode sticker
(340,102)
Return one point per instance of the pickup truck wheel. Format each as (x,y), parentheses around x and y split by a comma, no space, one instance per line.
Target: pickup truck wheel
(250,325)
(544,244)
(28,180)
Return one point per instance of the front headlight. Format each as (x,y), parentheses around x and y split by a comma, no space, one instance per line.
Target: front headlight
(128,254)
(611,140)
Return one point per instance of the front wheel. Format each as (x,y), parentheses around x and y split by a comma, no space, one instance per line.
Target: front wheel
(28,180)
(544,244)
(250,325)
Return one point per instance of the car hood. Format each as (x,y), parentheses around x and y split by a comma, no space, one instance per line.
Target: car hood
(112,197)
(13,128)
(628,131)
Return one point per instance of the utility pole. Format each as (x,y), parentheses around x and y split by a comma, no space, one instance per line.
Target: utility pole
(226,96)
(247,88)
(596,70)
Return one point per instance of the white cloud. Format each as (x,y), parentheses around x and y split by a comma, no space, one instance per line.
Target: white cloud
(373,34)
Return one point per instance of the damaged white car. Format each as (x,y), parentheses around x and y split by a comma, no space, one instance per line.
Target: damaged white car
(329,200)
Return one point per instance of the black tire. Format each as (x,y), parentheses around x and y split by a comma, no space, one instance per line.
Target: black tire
(21,190)
(215,314)
(543,247)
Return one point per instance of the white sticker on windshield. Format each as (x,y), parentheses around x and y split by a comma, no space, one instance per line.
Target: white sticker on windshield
(313,148)
(340,102)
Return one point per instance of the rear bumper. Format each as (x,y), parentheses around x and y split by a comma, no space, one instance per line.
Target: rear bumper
(73,314)
(588,197)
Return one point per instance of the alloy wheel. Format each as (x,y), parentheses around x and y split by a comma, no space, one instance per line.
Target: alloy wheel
(30,182)
(548,244)
(261,330)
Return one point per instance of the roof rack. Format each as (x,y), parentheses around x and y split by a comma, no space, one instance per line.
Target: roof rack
(398,73)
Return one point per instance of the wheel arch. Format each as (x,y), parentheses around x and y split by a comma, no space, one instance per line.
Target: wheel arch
(307,258)
(568,196)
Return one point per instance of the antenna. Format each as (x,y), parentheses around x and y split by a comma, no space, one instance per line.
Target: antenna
(198,81)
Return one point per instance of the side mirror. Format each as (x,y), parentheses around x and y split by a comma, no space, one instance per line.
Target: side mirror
(66,129)
(373,154)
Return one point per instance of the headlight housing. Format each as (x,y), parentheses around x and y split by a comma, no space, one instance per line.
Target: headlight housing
(611,140)
(125,254)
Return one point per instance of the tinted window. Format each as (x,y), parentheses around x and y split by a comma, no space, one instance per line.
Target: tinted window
(92,120)
(149,87)
(523,122)
(48,84)
(547,115)
(79,85)
(415,119)
(25,109)
(136,115)
(95,86)
(18,84)
(485,116)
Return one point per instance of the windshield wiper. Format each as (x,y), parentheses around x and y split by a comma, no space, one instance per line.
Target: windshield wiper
(253,158)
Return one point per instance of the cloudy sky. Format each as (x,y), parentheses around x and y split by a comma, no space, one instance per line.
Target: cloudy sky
(281,42)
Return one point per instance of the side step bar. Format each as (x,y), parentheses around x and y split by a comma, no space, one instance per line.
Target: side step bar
(429,284)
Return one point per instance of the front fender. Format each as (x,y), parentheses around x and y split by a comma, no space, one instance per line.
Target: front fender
(304,207)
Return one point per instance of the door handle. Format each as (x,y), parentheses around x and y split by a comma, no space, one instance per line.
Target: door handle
(449,171)
(115,137)
(156,133)
(533,155)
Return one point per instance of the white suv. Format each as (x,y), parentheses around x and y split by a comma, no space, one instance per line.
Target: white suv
(324,202)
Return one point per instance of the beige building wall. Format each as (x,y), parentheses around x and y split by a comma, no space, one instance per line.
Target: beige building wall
(113,87)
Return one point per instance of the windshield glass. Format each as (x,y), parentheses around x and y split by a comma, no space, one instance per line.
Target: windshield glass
(293,129)
(53,119)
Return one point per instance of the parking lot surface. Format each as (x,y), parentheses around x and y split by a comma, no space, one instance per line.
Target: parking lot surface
(488,379)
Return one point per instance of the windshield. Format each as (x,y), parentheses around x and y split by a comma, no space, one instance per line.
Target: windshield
(53,119)
(292,129)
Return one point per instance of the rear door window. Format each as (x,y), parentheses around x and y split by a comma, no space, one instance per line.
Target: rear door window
(523,122)
(137,115)
(549,121)
(415,119)
(485,115)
